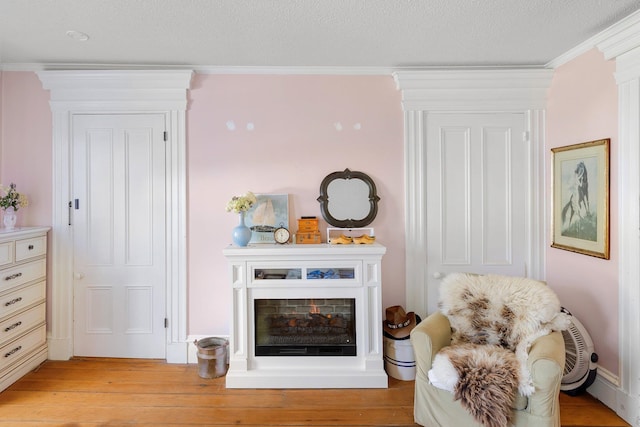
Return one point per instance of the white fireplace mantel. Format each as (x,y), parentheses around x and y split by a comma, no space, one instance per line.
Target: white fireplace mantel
(365,370)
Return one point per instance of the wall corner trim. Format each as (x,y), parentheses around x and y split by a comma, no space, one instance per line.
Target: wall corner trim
(623,45)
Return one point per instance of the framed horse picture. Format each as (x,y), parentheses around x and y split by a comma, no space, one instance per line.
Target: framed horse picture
(581,198)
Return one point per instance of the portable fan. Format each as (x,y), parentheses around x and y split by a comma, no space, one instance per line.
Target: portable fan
(580,366)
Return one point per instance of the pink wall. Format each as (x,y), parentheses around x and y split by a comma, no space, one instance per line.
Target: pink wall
(1,117)
(293,146)
(25,137)
(583,106)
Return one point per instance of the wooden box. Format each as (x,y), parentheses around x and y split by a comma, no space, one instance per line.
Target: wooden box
(308,225)
(308,238)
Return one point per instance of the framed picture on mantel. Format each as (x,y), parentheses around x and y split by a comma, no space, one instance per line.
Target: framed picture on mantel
(268,213)
(581,198)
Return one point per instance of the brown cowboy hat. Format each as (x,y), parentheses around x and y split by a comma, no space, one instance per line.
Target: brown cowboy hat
(398,324)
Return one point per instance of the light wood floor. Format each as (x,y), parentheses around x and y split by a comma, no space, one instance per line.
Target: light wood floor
(118,392)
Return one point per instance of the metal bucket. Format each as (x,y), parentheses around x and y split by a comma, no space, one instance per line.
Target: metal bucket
(212,357)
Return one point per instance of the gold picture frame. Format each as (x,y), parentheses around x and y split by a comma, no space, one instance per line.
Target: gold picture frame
(581,198)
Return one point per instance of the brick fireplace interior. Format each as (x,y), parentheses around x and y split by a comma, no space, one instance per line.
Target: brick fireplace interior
(305,327)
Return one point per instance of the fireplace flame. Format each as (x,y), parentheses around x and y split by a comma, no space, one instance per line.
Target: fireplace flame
(314,308)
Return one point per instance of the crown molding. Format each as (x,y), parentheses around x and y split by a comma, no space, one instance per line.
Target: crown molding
(621,37)
(133,89)
(474,89)
(297,70)
(115,79)
(251,70)
(210,69)
(572,54)
(612,41)
(622,43)
(35,67)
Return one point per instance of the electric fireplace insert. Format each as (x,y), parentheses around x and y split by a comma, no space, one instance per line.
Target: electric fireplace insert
(305,327)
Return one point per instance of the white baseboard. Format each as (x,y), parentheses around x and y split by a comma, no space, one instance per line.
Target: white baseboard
(605,391)
(622,403)
(177,352)
(59,349)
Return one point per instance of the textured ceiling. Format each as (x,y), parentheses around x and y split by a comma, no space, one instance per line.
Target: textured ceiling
(299,33)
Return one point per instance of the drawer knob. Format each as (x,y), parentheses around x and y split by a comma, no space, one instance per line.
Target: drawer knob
(13,301)
(13,276)
(30,247)
(15,350)
(15,325)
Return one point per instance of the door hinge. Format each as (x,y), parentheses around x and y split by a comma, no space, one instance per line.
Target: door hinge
(166,136)
(166,322)
(525,136)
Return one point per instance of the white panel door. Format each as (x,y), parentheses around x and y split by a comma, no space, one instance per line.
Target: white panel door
(477,166)
(118,220)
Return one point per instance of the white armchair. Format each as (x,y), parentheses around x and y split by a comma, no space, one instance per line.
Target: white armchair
(545,358)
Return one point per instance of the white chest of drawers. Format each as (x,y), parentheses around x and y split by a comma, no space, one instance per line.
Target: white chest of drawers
(23,272)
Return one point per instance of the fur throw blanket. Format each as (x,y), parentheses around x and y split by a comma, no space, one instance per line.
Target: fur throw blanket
(494,320)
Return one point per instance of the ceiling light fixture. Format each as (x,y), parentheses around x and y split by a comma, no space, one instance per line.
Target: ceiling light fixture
(78,35)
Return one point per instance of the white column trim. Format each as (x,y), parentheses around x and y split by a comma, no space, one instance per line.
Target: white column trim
(415,211)
(477,90)
(537,203)
(102,92)
(624,46)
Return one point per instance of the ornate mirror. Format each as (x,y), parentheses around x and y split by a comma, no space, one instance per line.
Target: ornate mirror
(348,199)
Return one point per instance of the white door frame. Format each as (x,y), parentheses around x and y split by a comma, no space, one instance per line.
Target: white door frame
(468,91)
(104,92)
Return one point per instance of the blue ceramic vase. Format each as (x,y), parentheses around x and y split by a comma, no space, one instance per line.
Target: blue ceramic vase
(241,233)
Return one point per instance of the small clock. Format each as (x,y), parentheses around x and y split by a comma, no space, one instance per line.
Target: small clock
(281,235)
